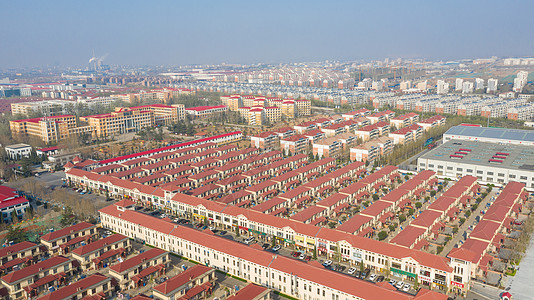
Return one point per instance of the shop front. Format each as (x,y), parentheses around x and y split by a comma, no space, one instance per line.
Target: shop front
(402,273)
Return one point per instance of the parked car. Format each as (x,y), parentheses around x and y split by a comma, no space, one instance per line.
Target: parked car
(380,278)
(406,287)
(373,277)
(393,282)
(518,222)
(351,271)
(308,258)
(249,240)
(327,263)
(358,274)
(295,254)
(276,248)
(302,256)
(399,284)
(265,246)
(222,232)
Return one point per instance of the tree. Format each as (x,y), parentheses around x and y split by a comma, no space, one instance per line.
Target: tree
(411,211)
(375,197)
(467,214)
(418,205)
(67,217)
(15,234)
(432,193)
(391,227)
(382,235)
(402,218)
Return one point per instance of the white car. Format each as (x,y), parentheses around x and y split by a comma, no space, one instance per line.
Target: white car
(302,256)
(406,287)
(249,240)
(276,248)
(351,271)
(327,263)
(399,285)
(393,282)
(372,277)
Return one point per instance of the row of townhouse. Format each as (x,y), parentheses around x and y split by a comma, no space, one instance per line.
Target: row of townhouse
(211,141)
(471,259)
(429,221)
(196,207)
(295,278)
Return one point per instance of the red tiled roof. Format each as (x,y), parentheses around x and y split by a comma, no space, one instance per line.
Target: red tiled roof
(16,248)
(75,288)
(137,260)
(66,231)
(249,292)
(34,269)
(99,244)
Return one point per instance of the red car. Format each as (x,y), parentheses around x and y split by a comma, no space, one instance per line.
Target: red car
(518,222)
(308,258)
(295,254)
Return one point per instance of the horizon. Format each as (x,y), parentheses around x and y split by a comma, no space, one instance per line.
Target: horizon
(63,33)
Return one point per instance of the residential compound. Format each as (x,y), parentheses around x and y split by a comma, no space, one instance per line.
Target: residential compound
(122,120)
(257,110)
(364,135)
(251,192)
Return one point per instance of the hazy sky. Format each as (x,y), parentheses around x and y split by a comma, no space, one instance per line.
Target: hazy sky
(35,33)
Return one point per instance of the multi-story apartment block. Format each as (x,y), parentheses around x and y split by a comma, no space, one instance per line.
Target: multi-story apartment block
(204,111)
(265,140)
(329,147)
(294,144)
(122,120)
(49,129)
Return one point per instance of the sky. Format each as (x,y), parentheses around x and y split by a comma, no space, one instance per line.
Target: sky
(151,32)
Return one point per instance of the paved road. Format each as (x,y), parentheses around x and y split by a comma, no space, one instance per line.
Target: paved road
(470,221)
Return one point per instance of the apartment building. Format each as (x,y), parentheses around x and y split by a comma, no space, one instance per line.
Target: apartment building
(204,111)
(12,205)
(294,144)
(49,129)
(164,114)
(20,252)
(122,120)
(265,140)
(46,107)
(329,147)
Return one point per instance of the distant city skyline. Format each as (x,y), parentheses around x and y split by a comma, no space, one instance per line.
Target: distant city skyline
(65,33)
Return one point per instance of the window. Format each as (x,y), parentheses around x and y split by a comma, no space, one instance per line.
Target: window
(449,168)
(523,177)
(459,169)
(440,167)
(430,165)
(480,172)
(490,173)
(457,278)
(500,174)
(511,175)
(469,170)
